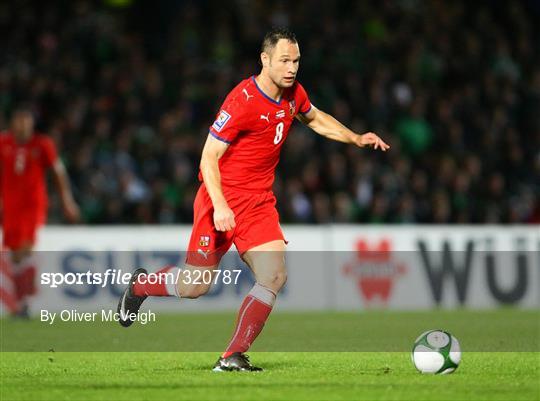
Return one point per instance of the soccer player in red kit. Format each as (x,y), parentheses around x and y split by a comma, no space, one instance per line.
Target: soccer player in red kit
(24,158)
(235,203)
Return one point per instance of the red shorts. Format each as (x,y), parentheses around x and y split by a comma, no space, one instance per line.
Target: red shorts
(20,230)
(20,225)
(257,222)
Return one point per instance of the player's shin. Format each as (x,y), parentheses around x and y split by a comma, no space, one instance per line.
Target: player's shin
(252,316)
(8,296)
(24,278)
(162,283)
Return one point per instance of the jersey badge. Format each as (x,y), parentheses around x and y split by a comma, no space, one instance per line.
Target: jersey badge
(292,107)
(204,240)
(221,120)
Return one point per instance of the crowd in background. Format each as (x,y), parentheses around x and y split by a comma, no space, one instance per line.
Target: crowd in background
(128,91)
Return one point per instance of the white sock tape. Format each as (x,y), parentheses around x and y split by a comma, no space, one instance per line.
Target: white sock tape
(171,281)
(263,294)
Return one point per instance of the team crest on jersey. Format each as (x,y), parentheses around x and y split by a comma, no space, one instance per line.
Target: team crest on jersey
(280,114)
(221,120)
(204,240)
(292,107)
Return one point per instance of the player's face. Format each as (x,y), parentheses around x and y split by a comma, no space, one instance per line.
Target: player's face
(284,62)
(23,125)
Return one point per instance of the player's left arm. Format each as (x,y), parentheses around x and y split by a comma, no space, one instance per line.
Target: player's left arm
(326,125)
(71,210)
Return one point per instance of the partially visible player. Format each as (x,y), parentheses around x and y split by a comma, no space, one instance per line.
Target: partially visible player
(235,203)
(25,156)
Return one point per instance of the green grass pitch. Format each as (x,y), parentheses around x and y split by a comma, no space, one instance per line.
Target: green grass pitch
(307,356)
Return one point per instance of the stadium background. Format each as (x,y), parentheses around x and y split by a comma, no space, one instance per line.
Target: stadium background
(127,89)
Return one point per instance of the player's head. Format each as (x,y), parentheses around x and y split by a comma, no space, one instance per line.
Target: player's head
(22,124)
(280,57)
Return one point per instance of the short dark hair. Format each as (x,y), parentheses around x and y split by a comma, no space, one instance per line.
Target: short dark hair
(22,108)
(273,36)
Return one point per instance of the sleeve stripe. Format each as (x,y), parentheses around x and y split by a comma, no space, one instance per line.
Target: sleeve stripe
(218,137)
(307,111)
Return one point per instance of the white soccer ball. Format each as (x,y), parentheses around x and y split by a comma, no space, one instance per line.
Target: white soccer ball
(436,352)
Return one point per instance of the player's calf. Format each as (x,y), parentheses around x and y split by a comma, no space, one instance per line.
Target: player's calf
(252,316)
(268,264)
(162,283)
(173,281)
(168,281)
(193,291)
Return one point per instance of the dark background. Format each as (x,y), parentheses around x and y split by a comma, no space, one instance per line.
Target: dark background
(128,89)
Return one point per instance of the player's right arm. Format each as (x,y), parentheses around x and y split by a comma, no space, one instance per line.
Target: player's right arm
(230,121)
(212,152)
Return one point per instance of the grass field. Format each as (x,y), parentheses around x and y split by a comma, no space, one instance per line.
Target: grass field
(501,359)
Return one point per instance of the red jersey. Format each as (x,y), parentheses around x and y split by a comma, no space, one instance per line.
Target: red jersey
(22,174)
(255,126)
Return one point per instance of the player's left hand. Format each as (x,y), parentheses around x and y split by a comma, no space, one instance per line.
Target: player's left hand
(372,140)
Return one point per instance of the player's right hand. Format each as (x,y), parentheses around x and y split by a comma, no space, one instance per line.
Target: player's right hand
(71,211)
(224,218)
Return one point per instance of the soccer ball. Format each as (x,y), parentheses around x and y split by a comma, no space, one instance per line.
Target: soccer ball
(436,352)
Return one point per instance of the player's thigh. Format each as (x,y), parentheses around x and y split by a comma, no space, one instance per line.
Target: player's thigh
(259,224)
(267,261)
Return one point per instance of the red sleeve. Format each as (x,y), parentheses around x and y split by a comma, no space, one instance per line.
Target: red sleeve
(2,144)
(230,120)
(49,152)
(304,105)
